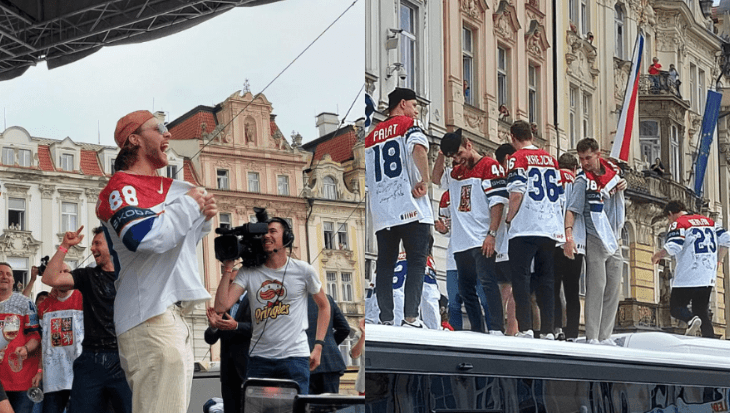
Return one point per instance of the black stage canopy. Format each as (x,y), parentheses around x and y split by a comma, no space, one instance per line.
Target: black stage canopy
(64,31)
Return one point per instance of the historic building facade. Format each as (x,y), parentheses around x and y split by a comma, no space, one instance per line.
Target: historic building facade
(335,193)
(595,42)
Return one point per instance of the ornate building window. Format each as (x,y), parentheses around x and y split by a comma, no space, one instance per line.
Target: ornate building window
(24,157)
(20,270)
(408,43)
(468,65)
(502,76)
(329,188)
(225,220)
(649,140)
(171,171)
(346,278)
(675,153)
(342,238)
(585,26)
(69,216)
(222,179)
(701,91)
(587,115)
(67,162)
(8,156)
(253,182)
(533,99)
(329,235)
(619,18)
(332,284)
(282,184)
(573,121)
(16,213)
(693,88)
(626,267)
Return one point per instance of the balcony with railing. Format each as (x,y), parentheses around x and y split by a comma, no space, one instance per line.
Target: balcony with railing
(662,84)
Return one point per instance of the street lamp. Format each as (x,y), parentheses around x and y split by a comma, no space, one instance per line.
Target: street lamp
(706,6)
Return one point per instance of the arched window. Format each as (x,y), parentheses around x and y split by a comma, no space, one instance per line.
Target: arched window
(329,188)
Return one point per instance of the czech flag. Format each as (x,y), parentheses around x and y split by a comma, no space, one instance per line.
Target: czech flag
(622,141)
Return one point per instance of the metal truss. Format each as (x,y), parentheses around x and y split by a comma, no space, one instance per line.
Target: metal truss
(24,40)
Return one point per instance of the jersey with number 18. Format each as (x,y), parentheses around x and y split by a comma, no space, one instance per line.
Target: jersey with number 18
(533,172)
(390,173)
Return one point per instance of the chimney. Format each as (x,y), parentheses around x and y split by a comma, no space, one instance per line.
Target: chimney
(160,115)
(327,123)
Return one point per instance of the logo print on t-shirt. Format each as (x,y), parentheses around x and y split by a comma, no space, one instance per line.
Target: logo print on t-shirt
(271,294)
(465,200)
(62,333)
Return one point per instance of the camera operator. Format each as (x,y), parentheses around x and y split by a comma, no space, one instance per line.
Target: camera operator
(278,292)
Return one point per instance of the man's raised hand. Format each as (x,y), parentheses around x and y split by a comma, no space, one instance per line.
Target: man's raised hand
(72,238)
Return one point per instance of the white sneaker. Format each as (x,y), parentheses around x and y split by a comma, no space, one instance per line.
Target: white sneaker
(608,342)
(525,334)
(693,326)
(496,333)
(593,341)
(416,324)
(559,335)
(548,336)
(386,323)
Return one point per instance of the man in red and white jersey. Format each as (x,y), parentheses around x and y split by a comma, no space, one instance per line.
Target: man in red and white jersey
(597,195)
(152,226)
(534,216)
(694,241)
(478,183)
(397,177)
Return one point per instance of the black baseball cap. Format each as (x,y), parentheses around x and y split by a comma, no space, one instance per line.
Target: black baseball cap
(400,93)
(451,142)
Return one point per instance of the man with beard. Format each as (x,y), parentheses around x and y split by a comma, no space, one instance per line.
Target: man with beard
(153,225)
(98,378)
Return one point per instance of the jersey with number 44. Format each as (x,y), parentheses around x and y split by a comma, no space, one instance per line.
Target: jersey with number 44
(694,240)
(390,173)
(533,173)
(152,230)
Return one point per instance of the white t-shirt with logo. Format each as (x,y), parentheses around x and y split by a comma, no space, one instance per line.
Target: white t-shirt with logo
(278,299)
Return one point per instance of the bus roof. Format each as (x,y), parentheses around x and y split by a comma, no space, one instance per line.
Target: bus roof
(656,352)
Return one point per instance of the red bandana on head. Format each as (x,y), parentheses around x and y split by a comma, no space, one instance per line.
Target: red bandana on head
(611,171)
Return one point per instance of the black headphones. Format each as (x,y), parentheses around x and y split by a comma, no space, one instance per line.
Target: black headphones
(288,237)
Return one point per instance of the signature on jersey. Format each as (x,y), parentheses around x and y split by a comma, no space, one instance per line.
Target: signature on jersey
(389,191)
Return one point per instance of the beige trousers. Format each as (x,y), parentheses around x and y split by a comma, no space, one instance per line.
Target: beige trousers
(157,358)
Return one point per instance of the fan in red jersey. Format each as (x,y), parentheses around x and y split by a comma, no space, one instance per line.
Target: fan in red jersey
(694,241)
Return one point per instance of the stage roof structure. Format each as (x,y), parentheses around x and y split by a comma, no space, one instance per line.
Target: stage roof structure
(62,32)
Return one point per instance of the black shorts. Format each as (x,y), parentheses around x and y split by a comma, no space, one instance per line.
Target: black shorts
(503,271)
(3,396)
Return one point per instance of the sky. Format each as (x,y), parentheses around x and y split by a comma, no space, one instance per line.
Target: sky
(203,66)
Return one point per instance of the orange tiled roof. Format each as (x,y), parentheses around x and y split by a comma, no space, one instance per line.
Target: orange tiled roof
(90,163)
(44,158)
(191,127)
(189,173)
(273,127)
(339,147)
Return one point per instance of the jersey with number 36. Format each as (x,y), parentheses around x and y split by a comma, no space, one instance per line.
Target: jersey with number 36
(694,240)
(533,172)
(390,173)
(152,228)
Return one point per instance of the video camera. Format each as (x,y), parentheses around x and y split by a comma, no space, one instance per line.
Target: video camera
(244,241)
(42,267)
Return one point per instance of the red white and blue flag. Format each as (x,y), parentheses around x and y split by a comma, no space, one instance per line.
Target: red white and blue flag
(622,141)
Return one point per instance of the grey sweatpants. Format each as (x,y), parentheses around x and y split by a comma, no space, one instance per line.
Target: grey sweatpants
(603,283)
